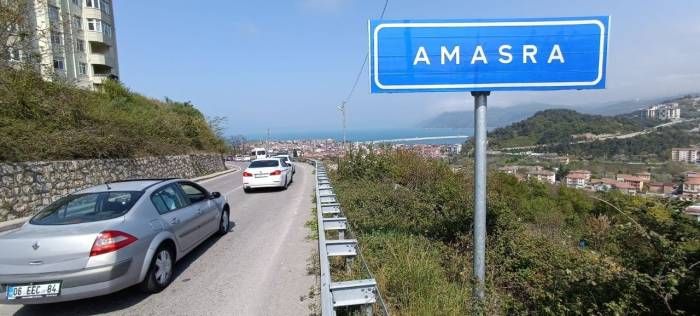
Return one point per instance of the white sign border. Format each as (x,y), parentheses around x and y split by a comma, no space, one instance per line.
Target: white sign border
(381,26)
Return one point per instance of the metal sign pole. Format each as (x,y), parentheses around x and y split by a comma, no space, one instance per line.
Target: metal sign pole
(479,191)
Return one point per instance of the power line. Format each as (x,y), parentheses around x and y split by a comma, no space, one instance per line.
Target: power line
(342,106)
(364,61)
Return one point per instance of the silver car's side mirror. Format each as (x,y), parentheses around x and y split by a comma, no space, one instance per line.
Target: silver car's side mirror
(215,195)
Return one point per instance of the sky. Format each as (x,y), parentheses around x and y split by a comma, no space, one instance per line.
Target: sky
(286,65)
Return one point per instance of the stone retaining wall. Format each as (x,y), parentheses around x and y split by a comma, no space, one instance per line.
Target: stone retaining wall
(26,187)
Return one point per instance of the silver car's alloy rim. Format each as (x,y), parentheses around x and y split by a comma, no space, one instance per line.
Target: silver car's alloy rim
(164,266)
(224,221)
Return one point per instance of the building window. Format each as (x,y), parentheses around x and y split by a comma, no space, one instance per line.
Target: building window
(82,69)
(56,38)
(76,2)
(58,64)
(80,45)
(94,25)
(77,22)
(92,3)
(107,29)
(53,13)
(104,6)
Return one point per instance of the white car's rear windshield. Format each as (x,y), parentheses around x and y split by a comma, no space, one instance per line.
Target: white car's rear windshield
(87,207)
(260,153)
(264,164)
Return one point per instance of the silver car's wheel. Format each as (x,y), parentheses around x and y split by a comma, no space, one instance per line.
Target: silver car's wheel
(164,267)
(160,273)
(225,224)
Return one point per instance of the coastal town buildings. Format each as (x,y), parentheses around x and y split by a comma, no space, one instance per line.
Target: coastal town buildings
(544,176)
(686,155)
(74,40)
(666,111)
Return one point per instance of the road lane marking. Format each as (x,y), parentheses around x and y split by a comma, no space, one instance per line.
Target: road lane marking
(229,192)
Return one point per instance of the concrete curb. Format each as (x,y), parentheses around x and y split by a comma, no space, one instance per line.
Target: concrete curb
(14,223)
(214,175)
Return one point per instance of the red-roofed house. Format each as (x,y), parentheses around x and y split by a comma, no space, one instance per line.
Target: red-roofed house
(585,173)
(625,187)
(635,181)
(691,188)
(543,176)
(660,188)
(644,175)
(577,180)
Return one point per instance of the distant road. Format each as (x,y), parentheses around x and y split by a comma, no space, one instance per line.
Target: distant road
(259,268)
(603,137)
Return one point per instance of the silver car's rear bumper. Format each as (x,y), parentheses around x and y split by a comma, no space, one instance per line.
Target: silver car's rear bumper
(74,284)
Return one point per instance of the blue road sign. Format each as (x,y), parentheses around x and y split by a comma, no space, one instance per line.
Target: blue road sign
(488,55)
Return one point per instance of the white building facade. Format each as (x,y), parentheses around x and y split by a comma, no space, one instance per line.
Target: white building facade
(75,40)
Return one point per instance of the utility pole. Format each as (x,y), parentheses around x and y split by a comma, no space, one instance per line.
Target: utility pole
(268,140)
(341,107)
(480,192)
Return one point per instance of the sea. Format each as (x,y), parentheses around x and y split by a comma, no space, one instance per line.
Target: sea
(442,136)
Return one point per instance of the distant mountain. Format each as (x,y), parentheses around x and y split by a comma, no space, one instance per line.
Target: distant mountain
(559,126)
(497,116)
(503,116)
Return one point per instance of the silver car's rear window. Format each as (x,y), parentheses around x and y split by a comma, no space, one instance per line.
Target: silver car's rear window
(87,207)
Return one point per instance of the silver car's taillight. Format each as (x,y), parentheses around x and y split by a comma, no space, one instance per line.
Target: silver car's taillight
(109,241)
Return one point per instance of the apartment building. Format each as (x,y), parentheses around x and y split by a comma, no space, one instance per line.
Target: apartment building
(75,39)
(542,176)
(668,111)
(687,155)
(635,181)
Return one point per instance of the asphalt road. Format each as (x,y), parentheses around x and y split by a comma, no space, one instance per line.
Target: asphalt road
(259,268)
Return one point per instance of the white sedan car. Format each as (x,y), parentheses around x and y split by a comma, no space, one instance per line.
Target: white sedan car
(267,173)
(287,160)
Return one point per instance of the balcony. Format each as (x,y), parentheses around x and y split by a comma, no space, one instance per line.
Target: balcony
(98,37)
(102,59)
(94,13)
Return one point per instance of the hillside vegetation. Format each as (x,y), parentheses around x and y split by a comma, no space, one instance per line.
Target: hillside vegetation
(656,145)
(42,120)
(413,217)
(559,125)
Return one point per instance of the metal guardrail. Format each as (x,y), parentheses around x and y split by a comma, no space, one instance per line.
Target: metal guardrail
(363,293)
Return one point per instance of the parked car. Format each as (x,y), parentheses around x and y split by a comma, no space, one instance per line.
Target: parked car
(267,173)
(106,238)
(287,160)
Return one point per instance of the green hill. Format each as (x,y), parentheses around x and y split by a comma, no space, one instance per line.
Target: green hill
(560,125)
(42,120)
(550,250)
(497,116)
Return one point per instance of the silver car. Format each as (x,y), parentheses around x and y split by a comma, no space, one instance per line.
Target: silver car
(106,238)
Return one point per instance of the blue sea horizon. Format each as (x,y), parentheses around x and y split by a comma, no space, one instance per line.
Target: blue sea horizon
(400,135)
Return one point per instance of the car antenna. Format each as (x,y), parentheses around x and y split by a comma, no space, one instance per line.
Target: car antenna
(107,184)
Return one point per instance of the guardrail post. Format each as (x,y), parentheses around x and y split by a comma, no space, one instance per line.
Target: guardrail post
(367,309)
(362,293)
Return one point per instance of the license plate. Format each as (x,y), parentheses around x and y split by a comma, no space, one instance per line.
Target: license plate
(260,175)
(33,290)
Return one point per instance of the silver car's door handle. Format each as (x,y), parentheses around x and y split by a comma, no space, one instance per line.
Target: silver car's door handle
(175,221)
(199,211)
